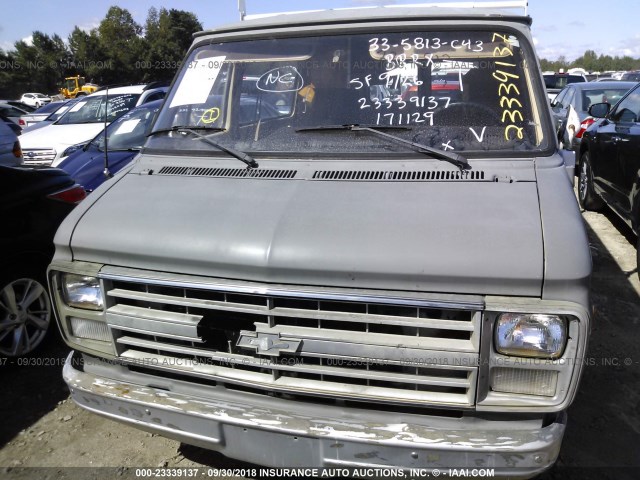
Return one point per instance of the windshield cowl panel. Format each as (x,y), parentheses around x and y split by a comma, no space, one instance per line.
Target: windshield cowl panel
(411,167)
(461,92)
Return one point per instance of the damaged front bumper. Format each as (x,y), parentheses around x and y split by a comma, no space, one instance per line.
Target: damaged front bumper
(284,433)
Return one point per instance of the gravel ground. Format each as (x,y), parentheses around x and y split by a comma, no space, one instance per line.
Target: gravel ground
(41,427)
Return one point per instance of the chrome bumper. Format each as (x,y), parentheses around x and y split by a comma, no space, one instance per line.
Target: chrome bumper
(283,433)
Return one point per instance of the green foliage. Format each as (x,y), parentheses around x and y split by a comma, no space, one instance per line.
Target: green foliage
(120,38)
(87,58)
(168,34)
(33,66)
(6,71)
(592,62)
(118,51)
(554,65)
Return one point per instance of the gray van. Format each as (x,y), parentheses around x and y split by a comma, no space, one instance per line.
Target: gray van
(350,240)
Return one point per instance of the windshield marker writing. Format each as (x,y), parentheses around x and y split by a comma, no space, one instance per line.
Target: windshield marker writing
(506,77)
(210,115)
(480,137)
(281,79)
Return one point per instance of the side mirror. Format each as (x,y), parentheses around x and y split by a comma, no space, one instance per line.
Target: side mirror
(599,110)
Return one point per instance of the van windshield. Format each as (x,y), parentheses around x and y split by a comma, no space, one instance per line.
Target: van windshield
(455,91)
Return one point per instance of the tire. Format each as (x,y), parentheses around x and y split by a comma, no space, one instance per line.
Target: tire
(587,197)
(638,256)
(25,311)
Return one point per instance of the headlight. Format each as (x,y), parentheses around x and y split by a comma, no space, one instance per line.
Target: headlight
(82,291)
(530,335)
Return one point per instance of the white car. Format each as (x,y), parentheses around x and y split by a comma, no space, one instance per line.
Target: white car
(35,99)
(49,145)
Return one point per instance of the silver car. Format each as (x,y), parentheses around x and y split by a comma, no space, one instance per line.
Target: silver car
(10,152)
(581,96)
(40,114)
(11,113)
(35,123)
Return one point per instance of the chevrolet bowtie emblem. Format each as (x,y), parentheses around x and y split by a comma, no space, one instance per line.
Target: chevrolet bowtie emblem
(267,343)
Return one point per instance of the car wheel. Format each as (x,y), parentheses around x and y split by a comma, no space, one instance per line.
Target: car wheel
(25,313)
(638,257)
(587,197)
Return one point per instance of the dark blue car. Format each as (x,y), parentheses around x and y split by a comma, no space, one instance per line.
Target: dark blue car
(610,161)
(125,137)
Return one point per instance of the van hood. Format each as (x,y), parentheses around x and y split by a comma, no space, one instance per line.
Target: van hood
(427,236)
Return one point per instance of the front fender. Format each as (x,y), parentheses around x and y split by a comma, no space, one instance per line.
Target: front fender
(635,205)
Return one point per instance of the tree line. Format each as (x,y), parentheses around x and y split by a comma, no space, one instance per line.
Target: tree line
(592,62)
(118,51)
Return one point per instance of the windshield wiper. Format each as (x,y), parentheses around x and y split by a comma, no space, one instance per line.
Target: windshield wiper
(458,160)
(243,157)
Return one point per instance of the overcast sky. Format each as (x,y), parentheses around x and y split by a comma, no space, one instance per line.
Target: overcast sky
(559,27)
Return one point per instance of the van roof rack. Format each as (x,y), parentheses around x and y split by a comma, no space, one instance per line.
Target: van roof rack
(500,4)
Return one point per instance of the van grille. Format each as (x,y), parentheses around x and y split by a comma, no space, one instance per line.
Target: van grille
(397,353)
(227,172)
(398,176)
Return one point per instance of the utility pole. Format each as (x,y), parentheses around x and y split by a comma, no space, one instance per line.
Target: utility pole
(242,9)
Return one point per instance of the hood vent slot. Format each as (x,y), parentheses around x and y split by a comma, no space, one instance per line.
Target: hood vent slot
(227,172)
(399,176)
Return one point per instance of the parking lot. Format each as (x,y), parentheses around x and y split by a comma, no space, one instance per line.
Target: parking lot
(43,428)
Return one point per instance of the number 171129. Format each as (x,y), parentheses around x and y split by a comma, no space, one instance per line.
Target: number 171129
(404,118)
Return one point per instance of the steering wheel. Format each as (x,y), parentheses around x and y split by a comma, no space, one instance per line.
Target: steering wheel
(461,112)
